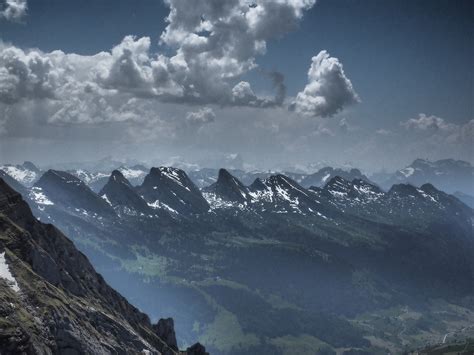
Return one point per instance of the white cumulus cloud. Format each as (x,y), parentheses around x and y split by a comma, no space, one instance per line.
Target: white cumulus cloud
(328,90)
(429,123)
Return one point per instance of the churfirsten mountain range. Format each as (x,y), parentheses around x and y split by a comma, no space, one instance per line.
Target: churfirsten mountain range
(275,263)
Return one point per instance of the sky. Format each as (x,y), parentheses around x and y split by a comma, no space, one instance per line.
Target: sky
(276,83)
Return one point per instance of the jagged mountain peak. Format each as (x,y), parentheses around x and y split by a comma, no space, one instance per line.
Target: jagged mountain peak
(281,194)
(257,184)
(339,184)
(225,178)
(121,195)
(282,181)
(171,188)
(29,165)
(171,177)
(278,183)
(118,177)
(68,190)
(228,188)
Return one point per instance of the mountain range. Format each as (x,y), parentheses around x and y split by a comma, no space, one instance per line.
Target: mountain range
(448,175)
(272,266)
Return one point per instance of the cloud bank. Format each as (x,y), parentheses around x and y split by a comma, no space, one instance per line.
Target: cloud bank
(433,130)
(213,46)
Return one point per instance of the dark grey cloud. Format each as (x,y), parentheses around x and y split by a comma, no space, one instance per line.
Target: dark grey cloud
(278,81)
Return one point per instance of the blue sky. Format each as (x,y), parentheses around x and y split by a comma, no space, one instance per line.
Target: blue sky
(403,58)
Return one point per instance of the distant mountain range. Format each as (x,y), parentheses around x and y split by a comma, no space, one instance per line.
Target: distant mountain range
(269,265)
(51,298)
(26,173)
(448,175)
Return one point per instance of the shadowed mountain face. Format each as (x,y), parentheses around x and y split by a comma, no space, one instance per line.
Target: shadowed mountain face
(69,191)
(120,194)
(274,267)
(229,188)
(53,301)
(171,188)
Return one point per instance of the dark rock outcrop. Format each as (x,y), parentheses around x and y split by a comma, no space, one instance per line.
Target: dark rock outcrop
(196,349)
(165,330)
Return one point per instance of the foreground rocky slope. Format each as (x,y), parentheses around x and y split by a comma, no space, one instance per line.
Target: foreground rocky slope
(53,301)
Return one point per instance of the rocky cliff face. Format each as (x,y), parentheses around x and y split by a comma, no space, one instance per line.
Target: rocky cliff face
(52,300)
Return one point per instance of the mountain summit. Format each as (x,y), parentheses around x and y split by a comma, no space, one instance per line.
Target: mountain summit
(68,190)
(122,196)
(172,189)
(229,188)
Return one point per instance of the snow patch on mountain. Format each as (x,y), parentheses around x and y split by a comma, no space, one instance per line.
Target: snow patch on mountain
(173,174)
(36,194)
(20,174)
(131,173)
(160,205)
(104,196)
(325,178)
(6,274)
(215,202)
(88,177)
(407,171)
